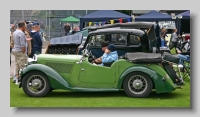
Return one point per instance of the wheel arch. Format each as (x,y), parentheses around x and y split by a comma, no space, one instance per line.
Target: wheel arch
(135,69)
(56,81)
(155,77)
(141,72)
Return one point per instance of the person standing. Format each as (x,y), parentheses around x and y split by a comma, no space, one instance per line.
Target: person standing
(42,26)
(19,49)
(67,29)
(35,22)
(28,41)
(15,24)
(157,31)
(29,26)
(36,40)
(74,30)
(12,30)
(174,39)
(11,46)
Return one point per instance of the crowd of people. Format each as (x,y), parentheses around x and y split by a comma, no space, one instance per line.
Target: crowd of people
(161,34)
(24,43)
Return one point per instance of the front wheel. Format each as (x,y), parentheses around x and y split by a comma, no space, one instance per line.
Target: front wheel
(138,85)
(36,84)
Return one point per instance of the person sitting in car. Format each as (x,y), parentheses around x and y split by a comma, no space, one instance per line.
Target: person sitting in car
(110,55)
(104,46)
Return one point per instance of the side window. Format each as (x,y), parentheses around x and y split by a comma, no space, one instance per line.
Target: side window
(96,40)
(119,39)
(134,40)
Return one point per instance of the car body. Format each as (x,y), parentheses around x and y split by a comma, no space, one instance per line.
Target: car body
(135,73)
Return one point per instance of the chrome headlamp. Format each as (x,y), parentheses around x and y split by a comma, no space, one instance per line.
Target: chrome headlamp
(32,60)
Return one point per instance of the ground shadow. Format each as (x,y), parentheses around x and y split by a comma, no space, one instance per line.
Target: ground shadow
(67,94)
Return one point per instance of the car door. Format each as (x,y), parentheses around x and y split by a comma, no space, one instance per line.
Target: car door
(97,74)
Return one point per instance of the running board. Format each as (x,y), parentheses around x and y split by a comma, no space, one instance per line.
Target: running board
(93,89)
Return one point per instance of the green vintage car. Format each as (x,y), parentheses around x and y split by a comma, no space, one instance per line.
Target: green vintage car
(136,73)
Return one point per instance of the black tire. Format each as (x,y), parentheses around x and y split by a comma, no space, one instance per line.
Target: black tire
(146,88)
(44,81)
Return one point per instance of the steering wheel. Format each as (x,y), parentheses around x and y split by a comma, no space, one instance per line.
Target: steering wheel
(91,57)
(88,52)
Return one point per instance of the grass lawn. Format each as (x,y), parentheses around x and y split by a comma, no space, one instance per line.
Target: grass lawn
(61,98)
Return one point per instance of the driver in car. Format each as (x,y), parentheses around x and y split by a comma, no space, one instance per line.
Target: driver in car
(110,55)
(104,46)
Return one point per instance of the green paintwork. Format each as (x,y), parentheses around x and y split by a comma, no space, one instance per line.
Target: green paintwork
(155,72)
(55,79)
(64,73)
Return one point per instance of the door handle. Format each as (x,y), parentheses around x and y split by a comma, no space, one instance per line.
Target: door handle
(82,69)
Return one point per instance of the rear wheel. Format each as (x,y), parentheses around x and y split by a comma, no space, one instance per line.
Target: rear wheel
(36,84)
(137,84)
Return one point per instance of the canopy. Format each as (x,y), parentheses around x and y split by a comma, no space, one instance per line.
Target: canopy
(154,16)
(70,19)
(185,15)
(102,15)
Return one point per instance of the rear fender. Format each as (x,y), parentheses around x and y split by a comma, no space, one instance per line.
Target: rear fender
(56,81)
(161,85)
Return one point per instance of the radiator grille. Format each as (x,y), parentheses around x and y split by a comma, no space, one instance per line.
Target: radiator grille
(60,67)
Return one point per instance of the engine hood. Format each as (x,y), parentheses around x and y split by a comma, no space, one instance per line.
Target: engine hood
(54,57)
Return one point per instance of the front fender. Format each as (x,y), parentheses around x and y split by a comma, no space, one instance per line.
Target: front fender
(56,81)
(161,85)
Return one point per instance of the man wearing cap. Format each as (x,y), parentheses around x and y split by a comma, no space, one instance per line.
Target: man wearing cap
(110,55)
(104,46)
(36,41)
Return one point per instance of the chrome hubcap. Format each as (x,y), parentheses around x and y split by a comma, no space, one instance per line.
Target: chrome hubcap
(36,84)
(137,84)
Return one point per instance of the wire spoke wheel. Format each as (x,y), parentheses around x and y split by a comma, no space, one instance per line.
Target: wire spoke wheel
(137,84)
(36,84)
